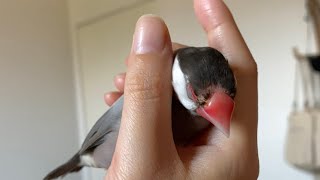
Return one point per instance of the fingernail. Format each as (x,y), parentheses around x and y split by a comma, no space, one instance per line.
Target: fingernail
(149,36)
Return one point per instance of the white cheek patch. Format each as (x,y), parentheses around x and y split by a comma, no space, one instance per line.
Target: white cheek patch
(180,86)
(87,160)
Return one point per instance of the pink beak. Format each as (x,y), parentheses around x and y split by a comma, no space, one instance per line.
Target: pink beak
(218,111)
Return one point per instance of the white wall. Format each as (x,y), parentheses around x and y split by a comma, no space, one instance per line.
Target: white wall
(38,128)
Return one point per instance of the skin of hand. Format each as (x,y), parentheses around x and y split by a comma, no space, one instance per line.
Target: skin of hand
(145,148)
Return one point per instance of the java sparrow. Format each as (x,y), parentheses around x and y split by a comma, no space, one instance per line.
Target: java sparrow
(204,87)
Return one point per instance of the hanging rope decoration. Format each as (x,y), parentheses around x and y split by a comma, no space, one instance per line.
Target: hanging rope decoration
(314,60)
(303,134)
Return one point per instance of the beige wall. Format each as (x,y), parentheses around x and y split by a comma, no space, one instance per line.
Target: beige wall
(38,128)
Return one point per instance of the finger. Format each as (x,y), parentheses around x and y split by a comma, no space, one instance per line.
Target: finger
(146,119)
(175,46)
(111,97)
(223,34)
(119,81)
(120,78)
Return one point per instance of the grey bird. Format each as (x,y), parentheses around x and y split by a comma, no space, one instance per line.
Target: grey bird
(204,87)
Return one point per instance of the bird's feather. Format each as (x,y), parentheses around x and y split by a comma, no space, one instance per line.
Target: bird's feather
(73,165)
(108,122)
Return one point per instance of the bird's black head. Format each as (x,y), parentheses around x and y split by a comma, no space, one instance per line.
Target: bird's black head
(207,70)
(202,78)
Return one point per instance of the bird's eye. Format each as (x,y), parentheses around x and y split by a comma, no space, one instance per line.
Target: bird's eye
(191,93)
(202,100)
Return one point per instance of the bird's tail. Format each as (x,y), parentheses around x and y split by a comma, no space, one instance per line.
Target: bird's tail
(73,165)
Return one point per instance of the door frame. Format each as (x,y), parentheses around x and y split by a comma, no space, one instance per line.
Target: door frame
(74,29)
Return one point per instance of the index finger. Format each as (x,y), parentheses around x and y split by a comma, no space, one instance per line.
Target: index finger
(223,34)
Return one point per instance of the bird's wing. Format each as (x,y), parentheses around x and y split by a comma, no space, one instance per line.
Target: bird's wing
(110,121)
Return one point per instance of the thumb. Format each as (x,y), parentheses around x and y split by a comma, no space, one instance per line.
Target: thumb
(145,136)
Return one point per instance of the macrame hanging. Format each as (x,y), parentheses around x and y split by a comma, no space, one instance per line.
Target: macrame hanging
(314,16)
(303,135)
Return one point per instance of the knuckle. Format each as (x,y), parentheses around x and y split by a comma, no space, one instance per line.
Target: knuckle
(145,86)
(249,69)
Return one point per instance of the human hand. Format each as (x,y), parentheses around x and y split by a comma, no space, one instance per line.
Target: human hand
(145,147)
